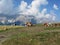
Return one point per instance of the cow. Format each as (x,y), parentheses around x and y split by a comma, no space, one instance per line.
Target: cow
(28,24)
(55,25)
(46,24)
(59,24)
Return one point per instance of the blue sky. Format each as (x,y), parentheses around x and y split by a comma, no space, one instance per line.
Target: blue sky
(48,10)
(51,3)
(49,6)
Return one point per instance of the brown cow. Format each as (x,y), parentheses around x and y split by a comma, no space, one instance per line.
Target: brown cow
(59,24)
(55,25)
(28,24)
(46,24)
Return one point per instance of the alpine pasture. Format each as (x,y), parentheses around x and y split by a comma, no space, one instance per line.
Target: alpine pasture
(34,35)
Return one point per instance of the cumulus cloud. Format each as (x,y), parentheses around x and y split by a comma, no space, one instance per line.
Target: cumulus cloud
(33,11)
(23,6)
(33,8)
(6,7)
(55,7)
(27,12)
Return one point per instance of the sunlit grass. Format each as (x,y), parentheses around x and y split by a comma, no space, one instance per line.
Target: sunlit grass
(36,39)
(35,35)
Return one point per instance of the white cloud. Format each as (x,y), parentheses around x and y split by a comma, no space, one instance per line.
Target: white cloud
(33,10)
(23,18)
(27,12)
(23,6)
(7,7)
(55,7)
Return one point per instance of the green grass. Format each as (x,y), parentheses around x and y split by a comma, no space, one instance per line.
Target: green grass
(31,35)
(36,39)
(52,28)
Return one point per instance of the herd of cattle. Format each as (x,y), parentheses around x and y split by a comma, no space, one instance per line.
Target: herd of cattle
(29,24)
(44,24)
(51,24)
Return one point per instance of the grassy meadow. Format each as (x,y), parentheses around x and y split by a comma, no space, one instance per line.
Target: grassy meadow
(35,35)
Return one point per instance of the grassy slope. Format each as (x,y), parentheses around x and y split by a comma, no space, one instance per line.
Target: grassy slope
(35,39)
(35,35)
